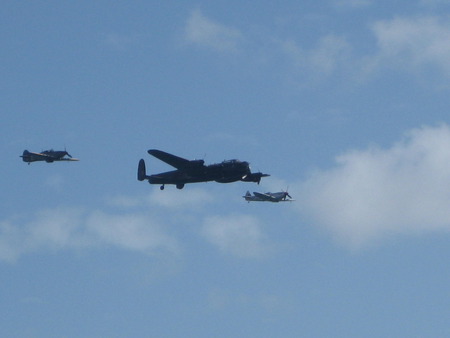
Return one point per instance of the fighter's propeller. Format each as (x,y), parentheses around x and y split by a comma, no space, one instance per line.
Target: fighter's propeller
(67,152)
(286,194)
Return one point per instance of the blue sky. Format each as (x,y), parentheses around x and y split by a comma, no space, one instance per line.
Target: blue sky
(343,102)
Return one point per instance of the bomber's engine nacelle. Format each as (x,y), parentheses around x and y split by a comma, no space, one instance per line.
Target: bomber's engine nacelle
(197,163)
(228,179)
(196,166)
(254,177)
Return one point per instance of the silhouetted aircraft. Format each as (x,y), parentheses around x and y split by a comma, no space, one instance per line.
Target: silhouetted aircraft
(268,197)
(194,171)
(48,156)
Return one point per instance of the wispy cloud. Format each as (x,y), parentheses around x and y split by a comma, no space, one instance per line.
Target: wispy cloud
(413,43)
(134,224)
(76,228)
(330,53)
(376,193)
(135,232)
(239,235)
(205,32)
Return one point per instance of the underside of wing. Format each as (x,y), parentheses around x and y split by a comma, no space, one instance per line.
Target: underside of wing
(175,161)
(67,159)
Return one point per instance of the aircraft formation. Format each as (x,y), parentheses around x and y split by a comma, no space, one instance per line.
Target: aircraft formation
(186,171)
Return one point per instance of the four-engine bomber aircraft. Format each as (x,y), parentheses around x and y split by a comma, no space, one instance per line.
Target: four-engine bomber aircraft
(48,156)
(194,171)
(268,197)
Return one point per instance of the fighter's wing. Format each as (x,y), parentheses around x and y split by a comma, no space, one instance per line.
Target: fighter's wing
(174,161)
(67,159)
(39,156)
(264,197)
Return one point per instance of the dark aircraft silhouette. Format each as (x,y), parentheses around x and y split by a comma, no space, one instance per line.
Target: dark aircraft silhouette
(194,171)
(48,156)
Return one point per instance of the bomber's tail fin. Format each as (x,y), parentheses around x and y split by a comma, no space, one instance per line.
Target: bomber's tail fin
(141,173)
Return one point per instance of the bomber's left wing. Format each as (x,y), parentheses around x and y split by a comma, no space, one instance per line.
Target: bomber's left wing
(175,161)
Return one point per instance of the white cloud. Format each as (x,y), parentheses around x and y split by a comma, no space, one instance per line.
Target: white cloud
(406,43)
(409,44)
(75,228)
(413,42)
(202,31)
(239,235)
(330,53)
(375,193)
(129,231)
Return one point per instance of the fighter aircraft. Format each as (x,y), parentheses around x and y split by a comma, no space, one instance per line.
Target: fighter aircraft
(48,156)
(268,197)
(194,171)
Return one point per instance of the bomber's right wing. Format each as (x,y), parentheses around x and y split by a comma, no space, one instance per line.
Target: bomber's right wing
(175,161)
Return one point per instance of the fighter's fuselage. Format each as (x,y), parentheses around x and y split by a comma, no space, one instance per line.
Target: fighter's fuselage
(48,156)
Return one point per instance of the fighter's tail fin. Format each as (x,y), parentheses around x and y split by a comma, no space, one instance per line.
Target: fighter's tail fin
(26,156)
(141,174)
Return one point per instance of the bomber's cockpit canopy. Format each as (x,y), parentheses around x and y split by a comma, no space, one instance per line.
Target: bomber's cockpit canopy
(231,161)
